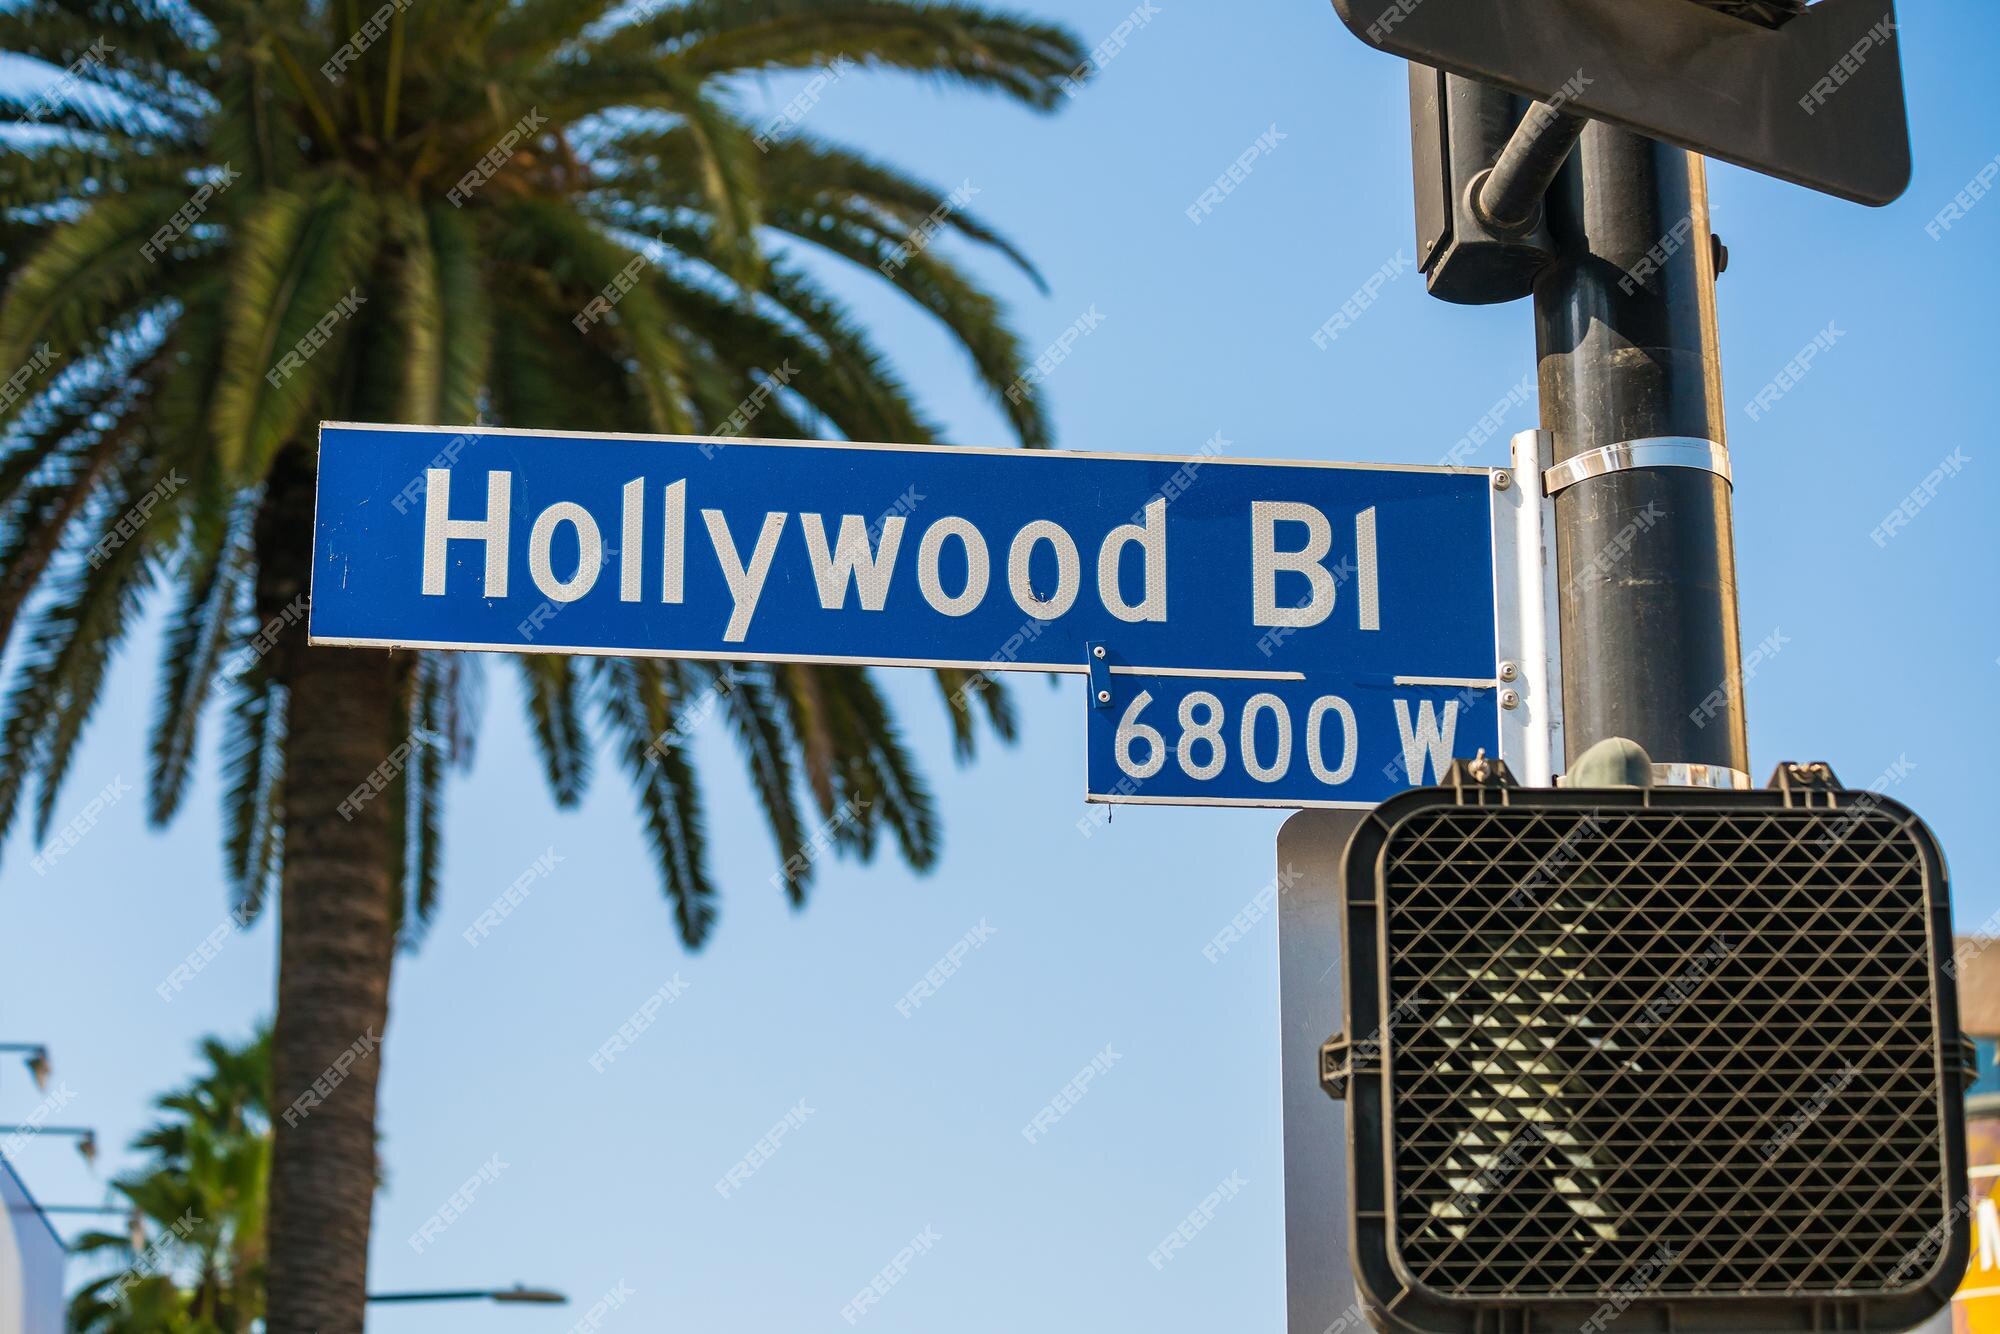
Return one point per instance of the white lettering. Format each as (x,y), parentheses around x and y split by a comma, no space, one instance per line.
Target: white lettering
(746,583)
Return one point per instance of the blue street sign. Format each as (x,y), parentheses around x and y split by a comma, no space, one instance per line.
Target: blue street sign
(1325,741)
(1354,576)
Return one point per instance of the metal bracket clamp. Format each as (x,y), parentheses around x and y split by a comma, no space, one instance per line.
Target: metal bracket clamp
(1336,1069)
(1099,662)
(1658,451)
(1680,774)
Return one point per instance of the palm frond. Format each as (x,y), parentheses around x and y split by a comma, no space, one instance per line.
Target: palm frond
(253,771)
(964,43)
(299,268)
(638,702)
(191,653)
(552,690)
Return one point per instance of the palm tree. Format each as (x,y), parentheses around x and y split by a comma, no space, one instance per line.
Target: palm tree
(231,219)
(199,1268)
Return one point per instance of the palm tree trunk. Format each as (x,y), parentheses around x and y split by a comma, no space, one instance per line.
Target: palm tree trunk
(336,940)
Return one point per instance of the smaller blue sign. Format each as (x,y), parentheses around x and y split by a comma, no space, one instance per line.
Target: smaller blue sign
(1208,741)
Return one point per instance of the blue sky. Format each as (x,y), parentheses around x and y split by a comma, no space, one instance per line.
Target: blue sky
(1885,660)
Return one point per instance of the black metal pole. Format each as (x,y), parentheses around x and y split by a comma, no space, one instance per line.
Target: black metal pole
(1626,333)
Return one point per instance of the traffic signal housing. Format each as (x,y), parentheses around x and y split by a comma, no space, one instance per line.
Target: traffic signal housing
(1687,1059)
(1812,94)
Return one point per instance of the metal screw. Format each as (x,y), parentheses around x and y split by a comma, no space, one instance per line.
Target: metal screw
(1097,652)
(1104,697)
(1502,480)
(1508,671)
(1510,699)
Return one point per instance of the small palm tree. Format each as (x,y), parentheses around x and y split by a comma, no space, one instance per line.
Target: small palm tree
(231,219)
(199,1267)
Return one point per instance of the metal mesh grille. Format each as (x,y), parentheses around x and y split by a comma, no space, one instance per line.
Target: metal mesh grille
(1670,1052)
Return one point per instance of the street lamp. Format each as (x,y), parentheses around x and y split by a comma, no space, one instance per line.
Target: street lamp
(519,1293)
(135,1222)
(36,1059)
(86,1138)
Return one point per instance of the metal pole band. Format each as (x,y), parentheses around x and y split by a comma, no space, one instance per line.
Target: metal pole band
(1658,451)
(1700,775)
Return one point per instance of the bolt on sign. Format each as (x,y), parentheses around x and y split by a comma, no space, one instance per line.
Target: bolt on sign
(1253,632)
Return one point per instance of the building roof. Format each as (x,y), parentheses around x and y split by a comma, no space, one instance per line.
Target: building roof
(1978,986)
